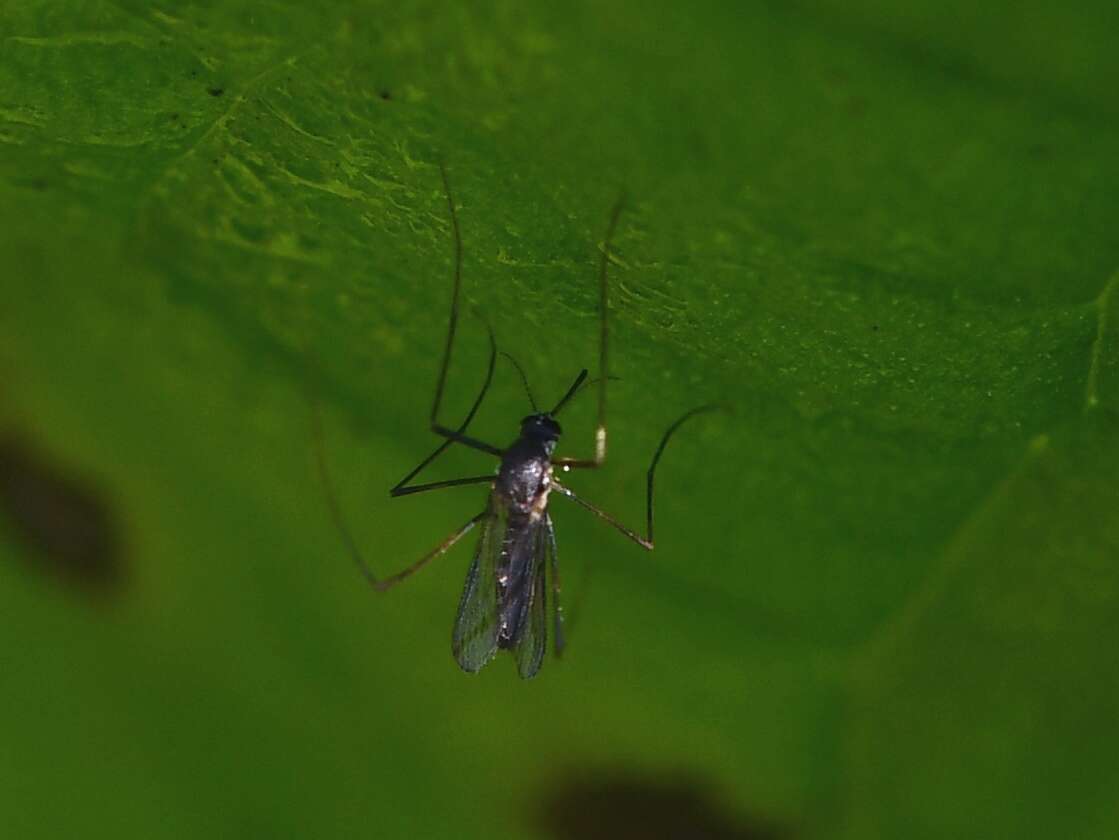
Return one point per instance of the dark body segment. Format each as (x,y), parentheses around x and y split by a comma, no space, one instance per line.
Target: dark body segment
(524,479)
(504,602)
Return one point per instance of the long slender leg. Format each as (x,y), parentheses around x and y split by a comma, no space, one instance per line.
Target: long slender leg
(703,409)
(646,541)
(604,334)
(465,440)
(601,514)
(401,487)
(442,548)
(453,322)
(343,528)
(452,327)
(438,485)
(603,352)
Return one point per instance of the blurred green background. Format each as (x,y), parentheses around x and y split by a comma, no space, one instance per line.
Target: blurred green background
(885,597)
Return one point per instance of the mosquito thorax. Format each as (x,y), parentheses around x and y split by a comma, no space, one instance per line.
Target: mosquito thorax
(541,428)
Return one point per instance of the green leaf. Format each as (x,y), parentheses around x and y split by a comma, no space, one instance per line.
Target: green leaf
(884,588)
(994,684)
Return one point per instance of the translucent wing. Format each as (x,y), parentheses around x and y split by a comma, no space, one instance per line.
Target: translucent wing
(533,640)
(474,640)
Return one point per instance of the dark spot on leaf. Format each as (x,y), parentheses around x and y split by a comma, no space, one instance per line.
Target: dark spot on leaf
(215,91)
(194,74)
(63,521)
(875,328)
(174,117)
(620,805)
(384,94)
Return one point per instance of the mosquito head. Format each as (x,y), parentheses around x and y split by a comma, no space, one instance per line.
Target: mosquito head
(541,427)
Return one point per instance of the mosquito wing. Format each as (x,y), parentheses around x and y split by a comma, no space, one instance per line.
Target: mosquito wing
(474,640)
(533,640)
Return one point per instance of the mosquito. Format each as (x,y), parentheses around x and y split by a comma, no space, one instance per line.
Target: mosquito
(504,604)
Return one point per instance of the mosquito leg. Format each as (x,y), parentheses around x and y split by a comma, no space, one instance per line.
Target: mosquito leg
(437,485)
(453,319)
(401,487)
(603,352)
(577,463)
(379,584)
(601,514)
(559,638)
(647,540)
(581,463)
(454,436)
(391,581)
(703,409)
(458,437)
(343,528)
(604,334)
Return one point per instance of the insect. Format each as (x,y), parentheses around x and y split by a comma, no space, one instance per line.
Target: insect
(504,604)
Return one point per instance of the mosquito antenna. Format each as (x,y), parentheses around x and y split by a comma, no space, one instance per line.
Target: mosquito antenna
(604,332)
(524,380)
(580,388)
(570,391)
(454,297)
